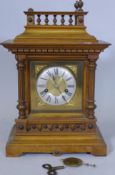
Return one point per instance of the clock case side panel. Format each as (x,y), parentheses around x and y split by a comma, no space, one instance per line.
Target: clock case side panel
(48,125)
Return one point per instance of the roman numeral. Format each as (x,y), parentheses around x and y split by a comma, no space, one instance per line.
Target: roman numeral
(56,100)
(68,78)
(56,71)
(43,78)
(70,86)
(63,97)
(49,74)
(68,93)
(48,99)
(41,85)
(44,92)
(63,74)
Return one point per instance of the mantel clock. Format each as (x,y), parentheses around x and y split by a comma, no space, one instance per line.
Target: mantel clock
(56,62)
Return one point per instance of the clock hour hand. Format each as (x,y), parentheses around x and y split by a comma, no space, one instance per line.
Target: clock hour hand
(59,90)
(56,85)
(60,81)
(54,80)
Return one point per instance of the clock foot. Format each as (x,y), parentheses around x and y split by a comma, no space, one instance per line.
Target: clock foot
(100,151)
(13,153)
(12,149)
(56,153)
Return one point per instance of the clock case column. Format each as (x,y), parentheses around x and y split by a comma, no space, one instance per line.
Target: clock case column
(21,83)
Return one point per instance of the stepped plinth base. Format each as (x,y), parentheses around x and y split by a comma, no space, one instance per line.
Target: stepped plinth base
(79,143)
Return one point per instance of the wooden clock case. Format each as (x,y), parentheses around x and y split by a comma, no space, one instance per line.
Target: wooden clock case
(64,40)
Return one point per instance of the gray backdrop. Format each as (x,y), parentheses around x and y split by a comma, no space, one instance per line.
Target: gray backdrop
(101,23)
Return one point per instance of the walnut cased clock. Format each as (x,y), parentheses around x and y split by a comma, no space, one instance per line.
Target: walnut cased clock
(56,63)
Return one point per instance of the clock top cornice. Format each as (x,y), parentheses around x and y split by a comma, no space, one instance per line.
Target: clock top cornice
(54,28)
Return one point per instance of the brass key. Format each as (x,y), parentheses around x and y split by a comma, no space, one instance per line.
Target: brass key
(52,170)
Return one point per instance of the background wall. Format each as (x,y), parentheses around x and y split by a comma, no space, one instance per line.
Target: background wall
(100,22)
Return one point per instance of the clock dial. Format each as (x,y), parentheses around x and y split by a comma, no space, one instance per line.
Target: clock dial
(56,85)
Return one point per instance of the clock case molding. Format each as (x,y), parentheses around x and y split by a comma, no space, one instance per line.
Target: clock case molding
(56,41)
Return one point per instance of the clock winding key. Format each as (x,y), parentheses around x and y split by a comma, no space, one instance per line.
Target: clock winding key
(52,170)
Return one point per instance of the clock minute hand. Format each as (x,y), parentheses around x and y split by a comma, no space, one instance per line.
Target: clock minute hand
(54,78)
(56,85)
(60,81)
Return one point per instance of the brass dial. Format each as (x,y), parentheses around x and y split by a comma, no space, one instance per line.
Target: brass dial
(56,85)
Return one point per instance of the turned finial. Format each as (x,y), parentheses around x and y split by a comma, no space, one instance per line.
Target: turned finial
(78,5)
(30,10)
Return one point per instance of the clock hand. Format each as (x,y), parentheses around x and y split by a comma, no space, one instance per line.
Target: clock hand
(53,78)
(56,85)
(60,80)
(59,90)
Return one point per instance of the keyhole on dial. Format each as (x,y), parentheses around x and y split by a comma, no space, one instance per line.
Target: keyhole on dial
(46,90)
(66,90)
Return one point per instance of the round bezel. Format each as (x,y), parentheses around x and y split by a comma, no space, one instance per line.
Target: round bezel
(56,85)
